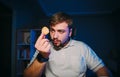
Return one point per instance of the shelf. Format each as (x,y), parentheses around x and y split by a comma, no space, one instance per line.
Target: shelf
(25,40)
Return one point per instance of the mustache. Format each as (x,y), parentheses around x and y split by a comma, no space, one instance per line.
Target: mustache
(55,39)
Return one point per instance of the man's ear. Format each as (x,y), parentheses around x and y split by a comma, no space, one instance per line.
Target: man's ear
(73,32)
(70,32)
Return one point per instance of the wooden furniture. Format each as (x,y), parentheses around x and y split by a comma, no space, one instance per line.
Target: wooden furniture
(25,40)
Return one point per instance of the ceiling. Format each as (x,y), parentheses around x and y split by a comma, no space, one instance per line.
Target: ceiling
(74,7)
(77,7)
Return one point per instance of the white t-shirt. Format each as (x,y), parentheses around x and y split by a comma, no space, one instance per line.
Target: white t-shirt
(72,60)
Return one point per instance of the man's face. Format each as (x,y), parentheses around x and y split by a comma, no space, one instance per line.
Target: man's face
(60,33)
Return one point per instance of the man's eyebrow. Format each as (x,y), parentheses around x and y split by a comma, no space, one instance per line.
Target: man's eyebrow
(51,29)
(60,30)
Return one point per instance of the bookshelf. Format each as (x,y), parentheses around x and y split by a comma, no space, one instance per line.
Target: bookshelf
(25,40)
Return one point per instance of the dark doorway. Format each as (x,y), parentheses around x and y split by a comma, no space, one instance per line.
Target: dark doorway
(5,39)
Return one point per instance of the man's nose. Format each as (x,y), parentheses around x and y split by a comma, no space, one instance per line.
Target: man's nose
(55,35)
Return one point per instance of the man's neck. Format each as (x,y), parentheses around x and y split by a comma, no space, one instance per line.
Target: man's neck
(62,45)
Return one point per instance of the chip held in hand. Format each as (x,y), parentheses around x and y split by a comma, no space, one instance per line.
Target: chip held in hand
(45,30)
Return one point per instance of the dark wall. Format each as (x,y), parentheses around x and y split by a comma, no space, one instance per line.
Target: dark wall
(97,31)
(5,40)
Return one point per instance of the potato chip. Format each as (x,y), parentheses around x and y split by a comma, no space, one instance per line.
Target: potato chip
(45,30)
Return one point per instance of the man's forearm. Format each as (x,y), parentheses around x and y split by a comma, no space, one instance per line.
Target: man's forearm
(104,72)
(35,69)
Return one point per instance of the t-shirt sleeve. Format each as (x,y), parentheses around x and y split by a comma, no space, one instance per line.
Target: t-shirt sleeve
(94,62)
(33,58)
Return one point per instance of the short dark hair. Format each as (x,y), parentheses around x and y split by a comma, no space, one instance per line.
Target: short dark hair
(60,17)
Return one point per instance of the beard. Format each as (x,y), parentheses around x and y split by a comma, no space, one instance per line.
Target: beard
(58,44)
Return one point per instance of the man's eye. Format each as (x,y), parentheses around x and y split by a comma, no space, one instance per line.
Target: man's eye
(52,30)
(61,31)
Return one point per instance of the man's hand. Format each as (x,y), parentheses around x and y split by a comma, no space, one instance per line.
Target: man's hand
(43,45)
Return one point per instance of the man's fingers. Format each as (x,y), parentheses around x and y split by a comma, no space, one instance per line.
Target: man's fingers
(42,36)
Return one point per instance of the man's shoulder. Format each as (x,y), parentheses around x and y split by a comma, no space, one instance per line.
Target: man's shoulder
(77,42)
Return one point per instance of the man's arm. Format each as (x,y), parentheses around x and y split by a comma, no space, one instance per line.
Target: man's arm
(103,72)
(35,69)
